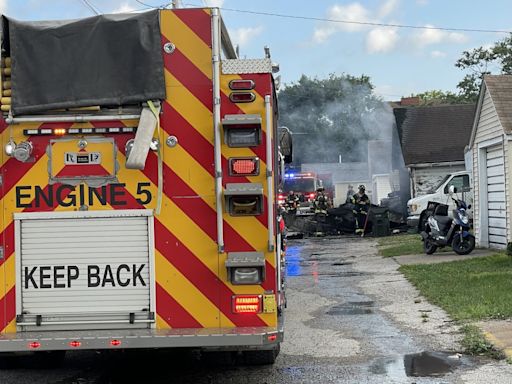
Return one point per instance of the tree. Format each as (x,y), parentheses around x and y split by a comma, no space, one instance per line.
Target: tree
(437,97)
(331,118)
(482,61)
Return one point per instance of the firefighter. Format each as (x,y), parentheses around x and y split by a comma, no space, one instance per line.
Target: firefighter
(361,203)
(292,201)
(320,204)
(350,193)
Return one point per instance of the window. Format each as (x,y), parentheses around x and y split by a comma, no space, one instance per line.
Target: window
(461,183)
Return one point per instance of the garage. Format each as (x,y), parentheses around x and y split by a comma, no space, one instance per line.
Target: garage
(490,147)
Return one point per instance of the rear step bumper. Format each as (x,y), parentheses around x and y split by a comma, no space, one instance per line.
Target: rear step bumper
(141,338)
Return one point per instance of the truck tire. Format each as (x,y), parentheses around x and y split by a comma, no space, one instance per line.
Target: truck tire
(261,357)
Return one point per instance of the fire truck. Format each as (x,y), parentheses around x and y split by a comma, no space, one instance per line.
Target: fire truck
(303,184)
(139,170)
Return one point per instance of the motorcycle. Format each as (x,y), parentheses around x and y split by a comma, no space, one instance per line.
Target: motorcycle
(441,230)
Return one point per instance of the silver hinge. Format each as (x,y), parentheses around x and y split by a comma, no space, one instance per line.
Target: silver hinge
(1,180)
(1,253)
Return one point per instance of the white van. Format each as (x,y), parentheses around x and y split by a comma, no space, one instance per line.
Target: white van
(416,207)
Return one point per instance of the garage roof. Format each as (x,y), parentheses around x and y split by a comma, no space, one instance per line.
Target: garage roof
(500,89)
(435,134)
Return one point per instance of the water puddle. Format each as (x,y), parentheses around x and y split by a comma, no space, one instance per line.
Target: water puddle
(423,364)
(342,274)
(343,263)
(352,308)
(430,364)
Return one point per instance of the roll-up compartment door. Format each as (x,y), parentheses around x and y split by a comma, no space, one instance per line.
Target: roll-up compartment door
(85,270)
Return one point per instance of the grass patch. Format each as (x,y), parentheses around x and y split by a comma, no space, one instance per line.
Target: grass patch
(467,290)
(400,245)
(475,343)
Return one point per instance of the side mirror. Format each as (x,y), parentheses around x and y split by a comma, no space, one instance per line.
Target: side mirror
(452,190)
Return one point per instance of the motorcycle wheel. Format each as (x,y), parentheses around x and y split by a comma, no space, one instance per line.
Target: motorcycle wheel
(463,246)
(429,246)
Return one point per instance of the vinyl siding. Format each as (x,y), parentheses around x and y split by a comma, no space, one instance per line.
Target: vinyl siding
(488,128)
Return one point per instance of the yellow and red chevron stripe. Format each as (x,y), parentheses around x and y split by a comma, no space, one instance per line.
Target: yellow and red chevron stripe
(192,290)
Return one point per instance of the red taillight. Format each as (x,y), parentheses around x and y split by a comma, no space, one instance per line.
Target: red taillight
(272,337)
(34,344)
(242,97)
(75,343)
(247,304)
(115,342)
(244,166)
(241,85)
(312,196)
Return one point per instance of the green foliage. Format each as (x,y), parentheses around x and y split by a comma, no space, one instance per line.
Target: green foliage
(330,117)
(509,249)
(481,61)
(475,343)
(472,289)
(437,97)
(400,245)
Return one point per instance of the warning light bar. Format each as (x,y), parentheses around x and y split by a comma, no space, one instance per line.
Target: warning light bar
(75,131)
(244,166)
(75,343)
(247,304)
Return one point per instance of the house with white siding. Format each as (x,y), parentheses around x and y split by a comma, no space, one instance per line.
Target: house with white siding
(490,145)
(433,140)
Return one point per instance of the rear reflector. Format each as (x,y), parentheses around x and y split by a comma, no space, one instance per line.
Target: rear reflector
(115,343)
(34,344)
(75,131)
(247,304)
(241,85)
(272,337)
(75,343)
(244,166)
(242,97)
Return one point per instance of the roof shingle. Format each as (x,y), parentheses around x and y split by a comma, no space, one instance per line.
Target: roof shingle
(435,134)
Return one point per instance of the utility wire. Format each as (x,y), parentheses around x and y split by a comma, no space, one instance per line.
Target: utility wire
(375,24)
(154,6)
(91,7)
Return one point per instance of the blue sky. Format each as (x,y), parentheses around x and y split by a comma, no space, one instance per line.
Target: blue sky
(399,61)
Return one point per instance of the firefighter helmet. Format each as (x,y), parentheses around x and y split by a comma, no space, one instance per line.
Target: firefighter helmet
(362,187)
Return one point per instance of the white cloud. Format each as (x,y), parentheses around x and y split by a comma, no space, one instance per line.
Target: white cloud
(215,3)
(436,36)
(124,8)
(3,6)
(350,12)
(422,2)
(387,8)
(381,40)
(242,36)
(437,54)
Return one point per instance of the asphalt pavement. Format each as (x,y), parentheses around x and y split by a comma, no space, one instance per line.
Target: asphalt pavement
(351,318)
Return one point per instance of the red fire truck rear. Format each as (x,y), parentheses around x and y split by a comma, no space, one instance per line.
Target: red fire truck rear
(304,185)
(139,171)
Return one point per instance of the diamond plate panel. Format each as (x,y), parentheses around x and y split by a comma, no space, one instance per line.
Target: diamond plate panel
(238,67)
